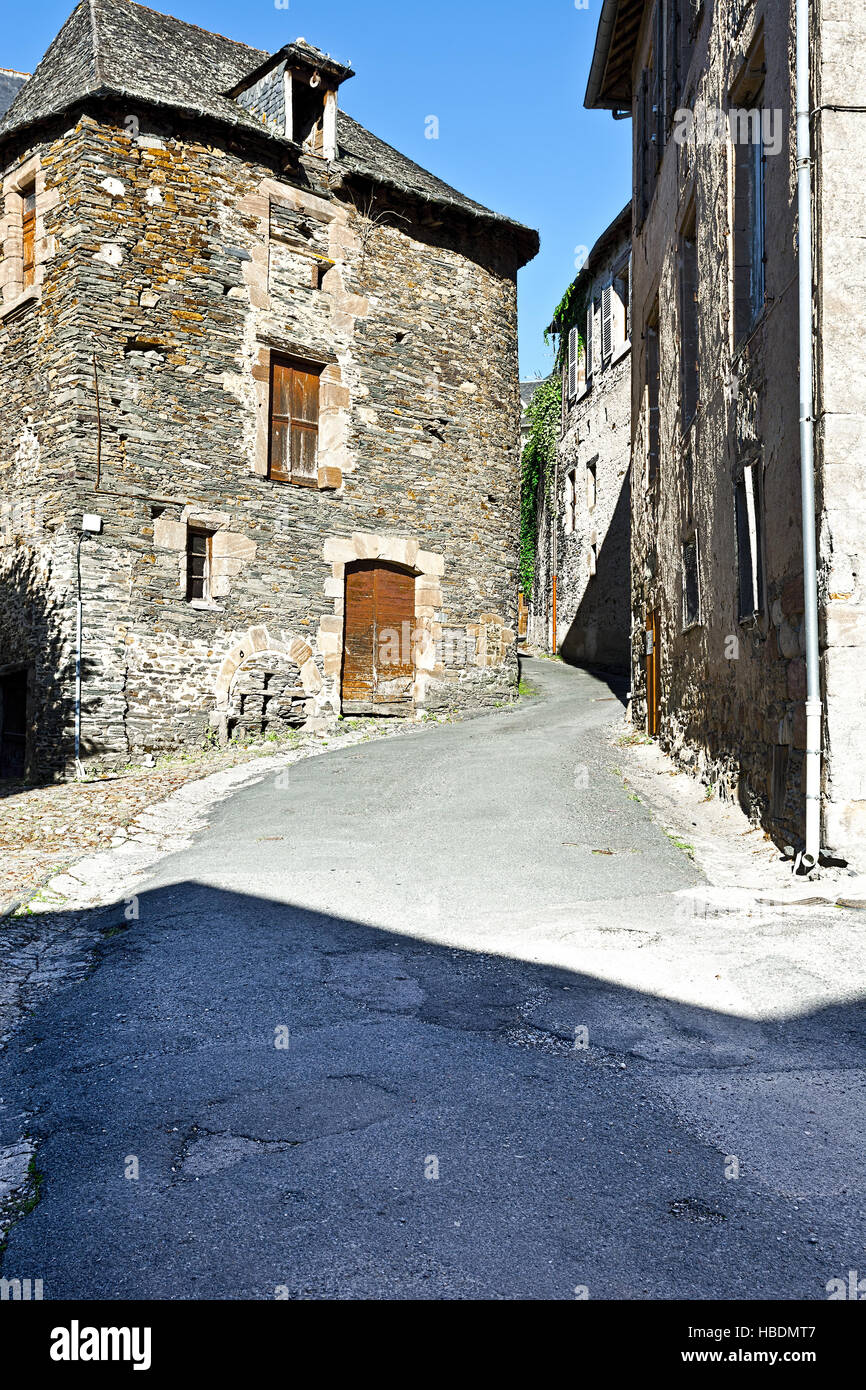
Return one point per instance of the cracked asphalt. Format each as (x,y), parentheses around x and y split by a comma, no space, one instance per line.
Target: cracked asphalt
(425,1018)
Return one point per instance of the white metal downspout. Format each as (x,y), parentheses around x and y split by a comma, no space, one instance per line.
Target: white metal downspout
(807,474)
(79,770)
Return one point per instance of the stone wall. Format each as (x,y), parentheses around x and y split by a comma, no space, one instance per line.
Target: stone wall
(732,691)
(592,543)
(140,370)
(840,149)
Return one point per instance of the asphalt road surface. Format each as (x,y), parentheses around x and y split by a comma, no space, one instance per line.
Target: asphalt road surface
(421,1019)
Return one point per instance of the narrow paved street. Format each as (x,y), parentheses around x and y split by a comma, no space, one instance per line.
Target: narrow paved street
(437,1018)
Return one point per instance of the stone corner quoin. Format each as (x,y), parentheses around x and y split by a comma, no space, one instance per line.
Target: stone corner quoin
(279,363)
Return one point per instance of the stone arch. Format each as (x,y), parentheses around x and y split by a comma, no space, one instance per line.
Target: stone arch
(266,681)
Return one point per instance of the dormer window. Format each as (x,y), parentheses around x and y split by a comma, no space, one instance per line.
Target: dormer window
(294,94)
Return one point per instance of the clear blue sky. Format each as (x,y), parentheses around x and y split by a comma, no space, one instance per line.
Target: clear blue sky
(506,80)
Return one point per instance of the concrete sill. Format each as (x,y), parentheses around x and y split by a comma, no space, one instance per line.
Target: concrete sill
(203,605)
(30,295)
(620,353)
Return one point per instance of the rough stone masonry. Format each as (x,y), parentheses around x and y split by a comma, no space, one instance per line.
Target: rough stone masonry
(200,212)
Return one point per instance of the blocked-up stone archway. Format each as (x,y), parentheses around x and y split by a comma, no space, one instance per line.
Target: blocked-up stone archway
(267,683)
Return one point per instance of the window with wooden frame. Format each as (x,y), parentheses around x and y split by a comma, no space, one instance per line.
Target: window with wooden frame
(749,524)
(294,422)
(622,293)
(749,210)
(28,235)
(198,564)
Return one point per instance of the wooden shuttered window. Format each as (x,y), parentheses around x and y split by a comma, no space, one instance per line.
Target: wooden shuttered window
(688,325)
(294,424)
(606,322)
(590,313)
(643,150)
(573,359)
(28,229)
(653,422)
(658,96)
(748,239)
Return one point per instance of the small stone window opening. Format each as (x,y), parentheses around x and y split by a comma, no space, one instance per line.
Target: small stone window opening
(592,558)
(28,235)
(294,423)
(750,571)
(591,485)
(199,545)
(691,584)
(571,501)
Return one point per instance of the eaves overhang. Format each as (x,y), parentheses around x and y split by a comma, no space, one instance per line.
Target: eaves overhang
(609,87)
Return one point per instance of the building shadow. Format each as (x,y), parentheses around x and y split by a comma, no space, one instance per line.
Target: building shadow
(37,676)
(243,1098)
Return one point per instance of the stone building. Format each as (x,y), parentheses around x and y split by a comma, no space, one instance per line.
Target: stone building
(260,403)
(717,556)
(582,532)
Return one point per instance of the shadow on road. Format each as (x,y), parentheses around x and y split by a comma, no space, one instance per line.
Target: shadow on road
(248,1099)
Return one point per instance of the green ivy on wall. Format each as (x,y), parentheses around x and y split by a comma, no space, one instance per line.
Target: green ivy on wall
(569,313)
(544,413)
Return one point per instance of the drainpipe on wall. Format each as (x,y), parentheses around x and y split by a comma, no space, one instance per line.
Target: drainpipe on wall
(91,525)
(554,510)
(79,770)
(809,858)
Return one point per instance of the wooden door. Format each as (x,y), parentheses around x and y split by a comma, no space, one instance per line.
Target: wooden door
(652,672)
(378,669)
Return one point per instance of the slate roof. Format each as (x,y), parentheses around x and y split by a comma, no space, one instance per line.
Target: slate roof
(10,84)
(120,48)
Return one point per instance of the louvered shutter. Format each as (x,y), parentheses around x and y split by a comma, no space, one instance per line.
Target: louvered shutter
(606,322)
(672,65)
(572,362)
(589,314)
(643,149)
(659,123)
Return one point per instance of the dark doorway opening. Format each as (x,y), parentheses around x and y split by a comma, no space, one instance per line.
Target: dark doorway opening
(13,724)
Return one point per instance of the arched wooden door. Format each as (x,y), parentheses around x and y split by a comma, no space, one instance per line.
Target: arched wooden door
(378,670)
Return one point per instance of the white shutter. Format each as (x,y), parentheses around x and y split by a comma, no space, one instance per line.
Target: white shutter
(572,363)
(589,340)
(606,322)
